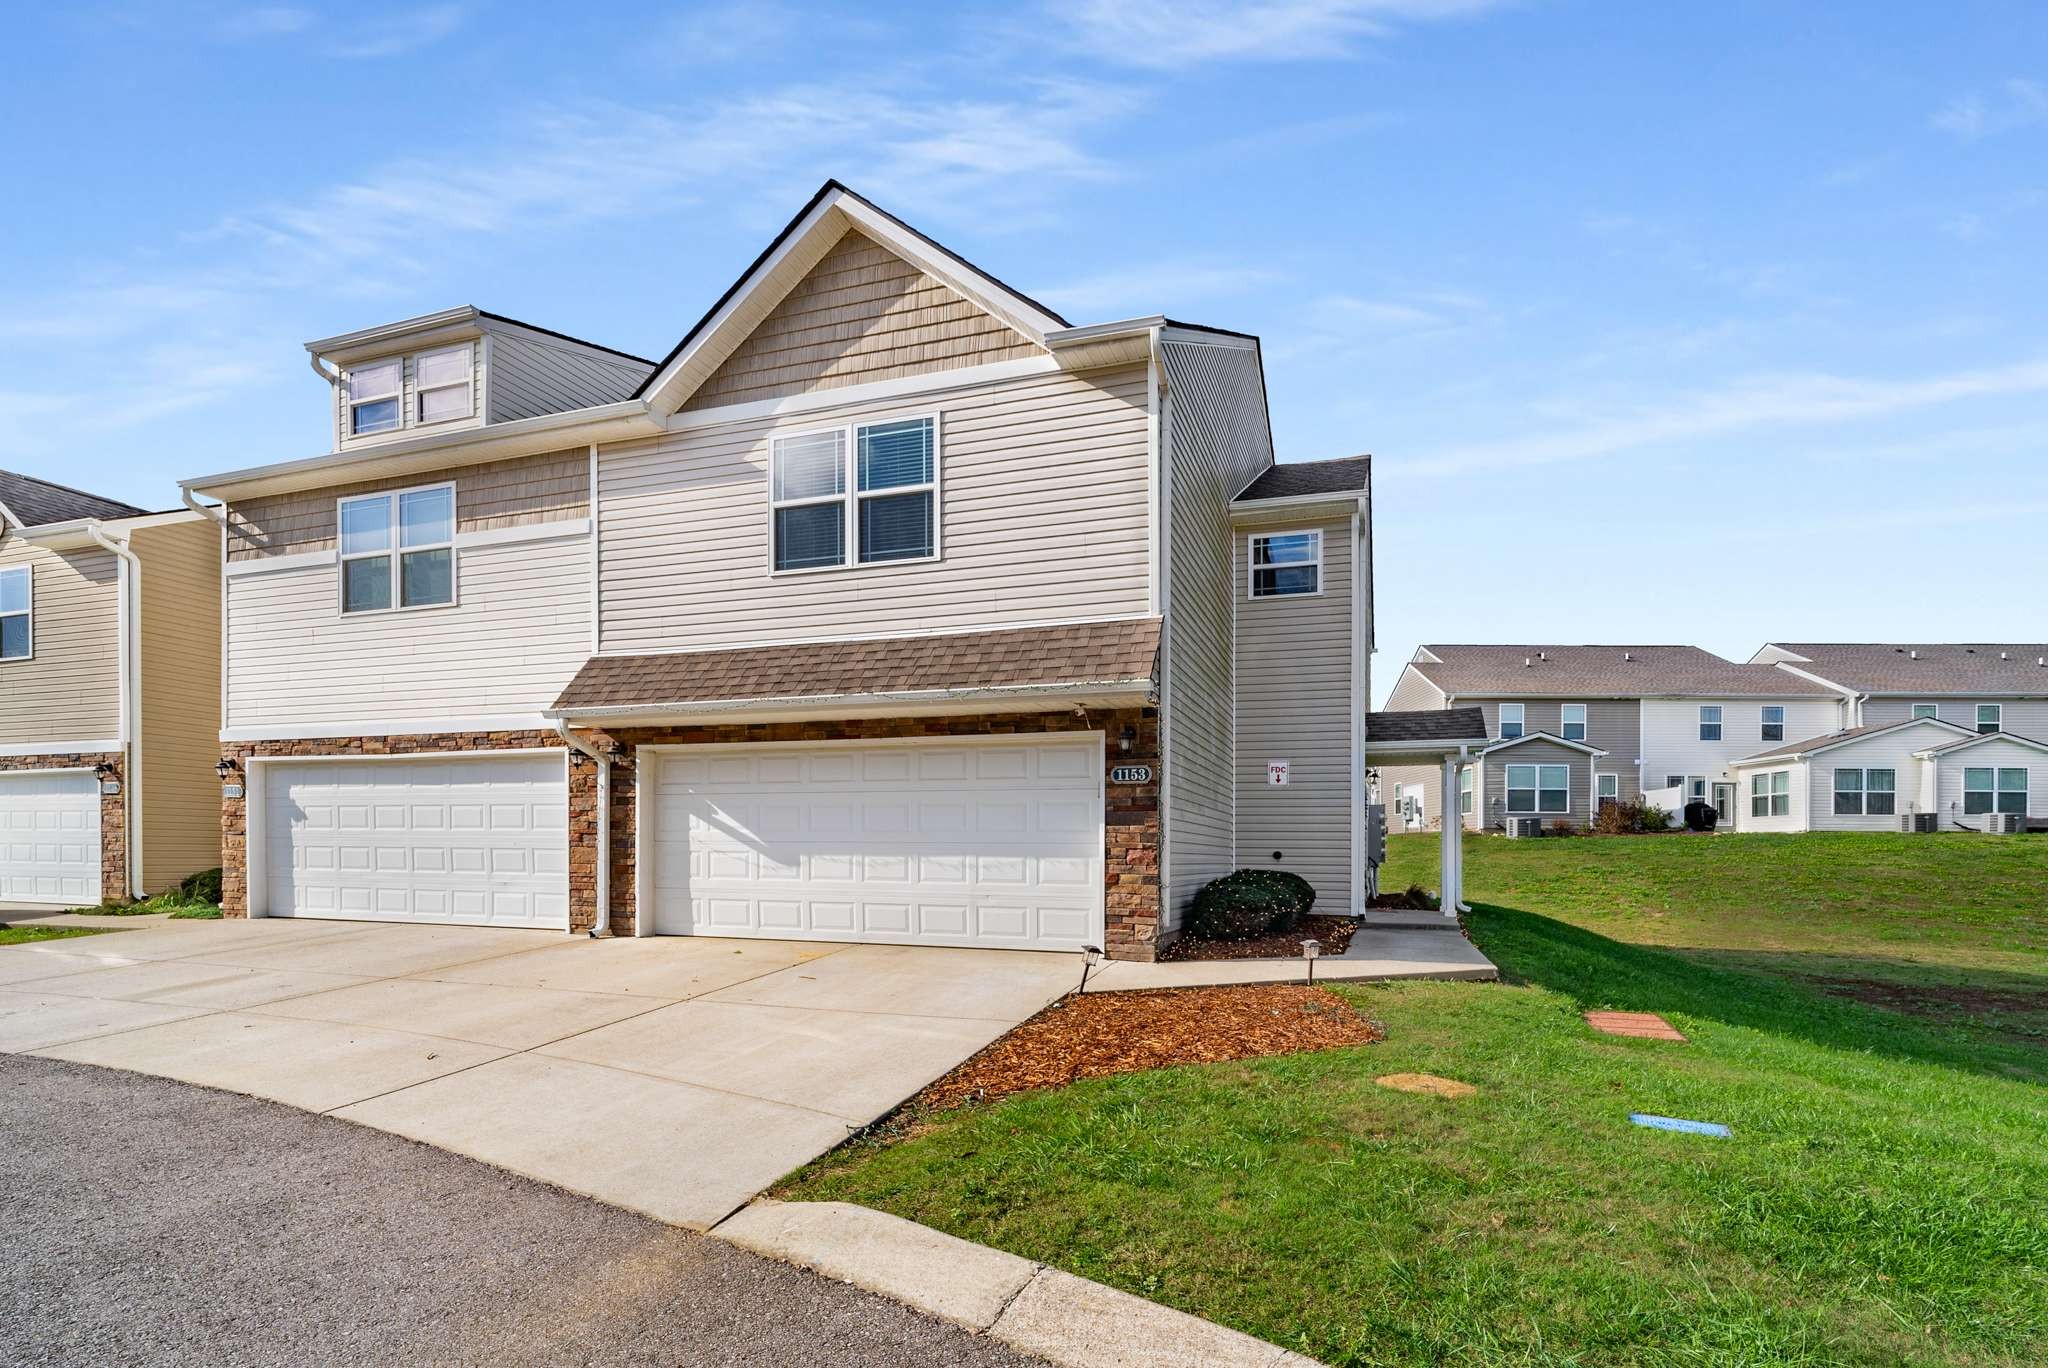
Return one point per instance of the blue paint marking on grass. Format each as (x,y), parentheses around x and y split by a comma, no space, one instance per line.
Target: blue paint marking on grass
(1673,1123)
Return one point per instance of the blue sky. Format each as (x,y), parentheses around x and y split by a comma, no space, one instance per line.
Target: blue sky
(1704,323)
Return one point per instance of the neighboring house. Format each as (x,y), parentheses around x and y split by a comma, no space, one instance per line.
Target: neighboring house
(888,606)
(1880,776)
(1984,686)
(1574,726)
(109,696)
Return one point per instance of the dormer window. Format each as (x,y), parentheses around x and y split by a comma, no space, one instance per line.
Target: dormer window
(442,380)
(373,397)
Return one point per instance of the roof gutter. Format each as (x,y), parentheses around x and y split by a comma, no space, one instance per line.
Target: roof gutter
(130,651)
(840,702)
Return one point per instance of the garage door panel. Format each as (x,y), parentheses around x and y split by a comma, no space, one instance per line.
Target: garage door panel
(49,838)
(462,842)
(955,844)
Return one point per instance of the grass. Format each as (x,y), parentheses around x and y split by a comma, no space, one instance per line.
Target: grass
(196,898)
(22,935)
(1880,1201)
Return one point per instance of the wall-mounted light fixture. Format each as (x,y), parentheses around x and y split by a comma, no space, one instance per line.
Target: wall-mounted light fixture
(103,771)
(226,768)
(1125,741)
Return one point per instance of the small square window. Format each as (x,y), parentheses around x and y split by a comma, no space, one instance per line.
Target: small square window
(373,395)
(1922,710)
(1284,564)
(1990,717)
(443,381)
(1511,723)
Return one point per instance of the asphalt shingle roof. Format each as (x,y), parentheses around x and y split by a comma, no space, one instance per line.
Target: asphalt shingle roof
(1956,667)
(1438,724)
(1542,671)
(37,502)
(1075,653)
(1296,479)
(1836,739)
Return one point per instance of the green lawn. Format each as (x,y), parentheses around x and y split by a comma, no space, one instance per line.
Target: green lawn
(21,935)
(1881,1200)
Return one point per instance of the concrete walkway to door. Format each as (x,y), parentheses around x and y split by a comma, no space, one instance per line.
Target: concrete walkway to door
(675,1076)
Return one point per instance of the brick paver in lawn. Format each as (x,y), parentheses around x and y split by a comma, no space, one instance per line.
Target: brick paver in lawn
(1640,1025)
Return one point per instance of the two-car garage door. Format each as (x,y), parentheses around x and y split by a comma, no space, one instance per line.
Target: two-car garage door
(50,837)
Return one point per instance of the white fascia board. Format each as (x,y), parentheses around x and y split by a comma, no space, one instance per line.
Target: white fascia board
(54,748)
(622,421)
(1244,512)
(1527,737)
(1429,748)
(1052,697)
(1843,689)
(384,334)
(931,384)
(1955,747)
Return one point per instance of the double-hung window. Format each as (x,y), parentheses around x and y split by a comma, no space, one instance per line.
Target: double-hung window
(1573,722)
(373,397)
(1866,792)
(1990,717)
(859,495)
(1772,727)
(1539,788)
(1465,790)
(1710,721)
(1770,795)
(1286,563)
(398,550)
(1510,721)
(1607,787)
(1921,710)
(442,383)
(2001,791)
(17,613)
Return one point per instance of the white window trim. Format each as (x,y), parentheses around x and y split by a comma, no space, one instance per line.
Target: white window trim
(1913,712)
(1766,786)
(1467,786)
(850,495)
(1719,724)
(1763,720)
(1977,718)
(1251,567)
(1862,773)
(1538,789)
(392,554)
(1521,721)
(349,401)
(2026,789)
(420,391)
(29,613)
(1564,721)
(1601,781)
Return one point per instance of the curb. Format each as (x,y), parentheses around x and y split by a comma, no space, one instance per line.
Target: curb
(1028,1306)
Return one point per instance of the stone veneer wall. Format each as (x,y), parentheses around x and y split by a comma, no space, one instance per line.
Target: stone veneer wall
(113,813)
(1131,818)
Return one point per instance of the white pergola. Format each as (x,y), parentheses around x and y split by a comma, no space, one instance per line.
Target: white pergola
(1450,739)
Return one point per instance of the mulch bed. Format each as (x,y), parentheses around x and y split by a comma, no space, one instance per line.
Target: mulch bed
(1333,932)
(1111,1033)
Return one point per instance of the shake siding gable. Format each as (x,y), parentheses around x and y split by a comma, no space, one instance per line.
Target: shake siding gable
(1294,664)
(71,689)
(861,314)
(1044,487)
(1217,444)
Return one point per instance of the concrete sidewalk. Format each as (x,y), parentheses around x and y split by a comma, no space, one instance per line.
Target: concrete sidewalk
(1375,953)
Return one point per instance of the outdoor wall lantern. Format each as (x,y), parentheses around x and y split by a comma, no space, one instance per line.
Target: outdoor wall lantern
(225,769)
(1130,735)
(103,771)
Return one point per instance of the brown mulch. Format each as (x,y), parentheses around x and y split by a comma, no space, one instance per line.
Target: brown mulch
(1333,932)
(1111,1033)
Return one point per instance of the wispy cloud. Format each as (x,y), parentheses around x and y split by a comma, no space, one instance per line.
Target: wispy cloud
(1155,287)
(352,36)
(1178,33)
(266,21)
(2016,103)
(1763,402)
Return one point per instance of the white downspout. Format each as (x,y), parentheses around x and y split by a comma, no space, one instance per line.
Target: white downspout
(1453,824)
(1464,758)
(130,663)
(212,512)
(602,929)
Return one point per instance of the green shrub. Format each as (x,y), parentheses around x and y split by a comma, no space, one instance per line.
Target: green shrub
(202,887)
(1251,902)
(1633,816)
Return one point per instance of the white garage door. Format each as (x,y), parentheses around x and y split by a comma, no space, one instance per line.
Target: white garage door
(933,843)
(480,842)
(50,838)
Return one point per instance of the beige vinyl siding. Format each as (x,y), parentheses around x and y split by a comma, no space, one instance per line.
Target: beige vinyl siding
(1294,664)
(519,631)
(862,313)
(71,689)
(1216,441)
(1043,517)
(531,376)
(1948,784)
(1493,783)
(1413,693)
(516,493)
(1429,778)
(180,702)
(409,425)
(2026,717)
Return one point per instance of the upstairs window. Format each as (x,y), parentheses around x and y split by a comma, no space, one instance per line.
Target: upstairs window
(1921,710)
(373,397)
(17,613)
(398,550)
(1990,717)
(1710,721)
(442,384)
(1773,724)
(1574,722)
(1510,721)
(878,481)
(1286,563)
(1539,788)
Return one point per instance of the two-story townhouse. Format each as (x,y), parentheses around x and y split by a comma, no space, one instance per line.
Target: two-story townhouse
(109,697)
(1982,686)
(889,606)
(1574,726)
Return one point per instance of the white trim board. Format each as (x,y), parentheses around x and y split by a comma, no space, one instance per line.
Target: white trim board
(54,748)
(873,391)
(427,726)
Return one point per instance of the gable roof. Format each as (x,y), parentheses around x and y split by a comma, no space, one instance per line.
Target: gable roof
(1527,737)
(1474,671)
(1814,744)
(1307,479)
(799,246)
(1440,725)
(1965,742)
(1956,667)
(26,501)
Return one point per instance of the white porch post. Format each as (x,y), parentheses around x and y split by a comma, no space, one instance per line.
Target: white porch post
(1453,824)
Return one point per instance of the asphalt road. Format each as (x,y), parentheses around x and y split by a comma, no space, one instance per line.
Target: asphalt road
(148,1222)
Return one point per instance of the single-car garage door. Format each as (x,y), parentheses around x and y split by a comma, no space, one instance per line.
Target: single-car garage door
(50,838)
(480,842)
(995,843)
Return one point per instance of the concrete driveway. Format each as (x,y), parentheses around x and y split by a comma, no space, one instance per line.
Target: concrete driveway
(674,1076)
